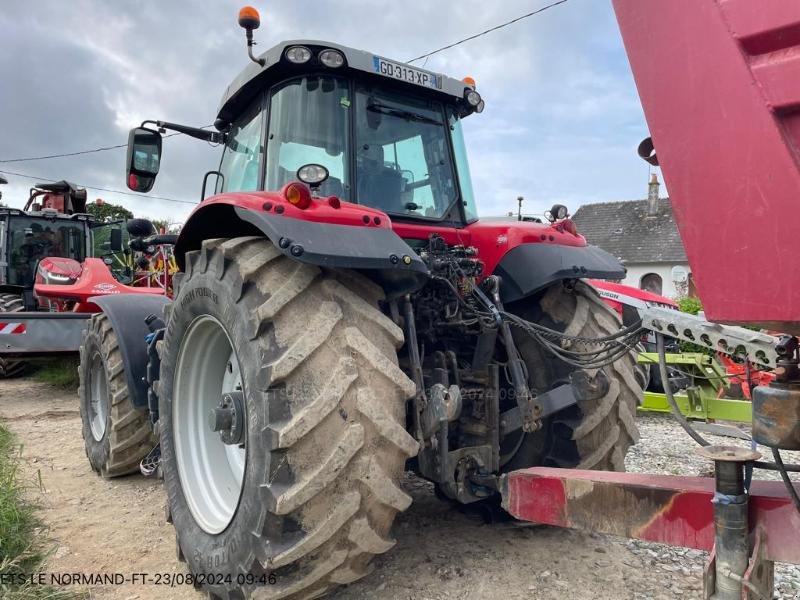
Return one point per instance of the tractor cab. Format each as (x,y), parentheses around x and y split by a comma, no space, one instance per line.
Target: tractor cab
(52,224)
(388,135)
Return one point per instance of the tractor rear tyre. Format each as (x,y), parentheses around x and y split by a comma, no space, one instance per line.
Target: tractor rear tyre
(597,433)
(11,367)
(117,436)
(281,420)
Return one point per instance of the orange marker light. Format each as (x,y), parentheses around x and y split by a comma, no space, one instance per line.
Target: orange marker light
(297,194)
(249,18)
(469,81)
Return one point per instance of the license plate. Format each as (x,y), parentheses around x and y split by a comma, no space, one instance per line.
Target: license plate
(402,72)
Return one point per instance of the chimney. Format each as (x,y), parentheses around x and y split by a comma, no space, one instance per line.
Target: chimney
(652,196)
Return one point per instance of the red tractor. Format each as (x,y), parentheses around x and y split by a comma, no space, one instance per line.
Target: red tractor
(44,243)
(54,256)
(342,313)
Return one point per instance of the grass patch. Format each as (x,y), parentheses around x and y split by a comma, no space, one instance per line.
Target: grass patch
(60,372)
(22,548)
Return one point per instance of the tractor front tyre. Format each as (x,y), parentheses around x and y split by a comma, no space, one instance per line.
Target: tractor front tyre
(117,436)
(597,433)
(281,420)
(10,367)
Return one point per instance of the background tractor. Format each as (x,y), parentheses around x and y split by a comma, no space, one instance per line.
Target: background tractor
(54,256)
(52,224)
(356,319)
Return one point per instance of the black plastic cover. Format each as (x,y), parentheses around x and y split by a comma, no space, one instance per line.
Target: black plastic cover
(127,313)
(380,253)
(530,267)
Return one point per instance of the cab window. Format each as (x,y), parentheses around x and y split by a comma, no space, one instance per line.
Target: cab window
(403,163)
(309,123)
(241,158)
(32,239)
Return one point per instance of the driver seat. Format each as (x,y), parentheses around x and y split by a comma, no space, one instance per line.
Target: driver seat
(379,186)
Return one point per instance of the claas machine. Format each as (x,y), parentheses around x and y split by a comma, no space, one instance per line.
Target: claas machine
(341,314)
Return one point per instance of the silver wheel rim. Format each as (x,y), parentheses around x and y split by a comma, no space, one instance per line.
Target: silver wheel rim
(98,398)
(211,472)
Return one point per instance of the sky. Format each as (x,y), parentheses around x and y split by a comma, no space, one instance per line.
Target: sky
(561,123)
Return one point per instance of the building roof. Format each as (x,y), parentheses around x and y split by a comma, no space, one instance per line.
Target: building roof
(625,230)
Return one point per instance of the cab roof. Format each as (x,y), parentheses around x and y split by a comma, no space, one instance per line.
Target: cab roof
(255,77)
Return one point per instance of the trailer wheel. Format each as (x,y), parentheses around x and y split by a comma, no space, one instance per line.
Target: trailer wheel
(282,414)
(11,367)
(116,435)
(597,433)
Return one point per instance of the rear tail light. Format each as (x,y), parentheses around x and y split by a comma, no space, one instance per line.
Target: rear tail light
(297,195)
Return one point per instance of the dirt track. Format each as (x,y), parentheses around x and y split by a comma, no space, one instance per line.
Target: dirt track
(118,527)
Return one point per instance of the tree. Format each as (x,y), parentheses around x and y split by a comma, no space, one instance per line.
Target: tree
(105,211)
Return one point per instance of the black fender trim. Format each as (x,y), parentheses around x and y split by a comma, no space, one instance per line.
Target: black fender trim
(127,313)
(528,268)
(378,252)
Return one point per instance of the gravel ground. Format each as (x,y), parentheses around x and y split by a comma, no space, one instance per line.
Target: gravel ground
(441,552)
(665,448)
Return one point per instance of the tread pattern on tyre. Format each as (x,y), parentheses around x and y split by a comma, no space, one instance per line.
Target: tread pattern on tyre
(341,432)
(607,427)
(129,437)
(11,367)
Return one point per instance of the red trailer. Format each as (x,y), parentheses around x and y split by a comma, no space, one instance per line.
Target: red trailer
(718,80)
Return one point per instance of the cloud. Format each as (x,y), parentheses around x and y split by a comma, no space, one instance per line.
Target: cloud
(561,124)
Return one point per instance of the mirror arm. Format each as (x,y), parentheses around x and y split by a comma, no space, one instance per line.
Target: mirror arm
(214,137)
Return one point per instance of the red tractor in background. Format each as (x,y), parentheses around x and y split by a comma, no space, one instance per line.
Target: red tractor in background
(340,313)
(54,256)
(42,243)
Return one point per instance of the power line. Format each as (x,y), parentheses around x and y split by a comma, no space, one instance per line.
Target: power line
(102,149)
(495,28)
(31,158)
(80,152)
(101,189)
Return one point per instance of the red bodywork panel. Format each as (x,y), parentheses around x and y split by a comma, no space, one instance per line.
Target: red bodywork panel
(492,239)
(321,210)
(658,508)
(94,280)
(616,295)
(627,290)
(719,83)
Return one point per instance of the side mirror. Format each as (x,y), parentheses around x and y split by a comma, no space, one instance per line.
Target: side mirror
(115,241)
(144,158)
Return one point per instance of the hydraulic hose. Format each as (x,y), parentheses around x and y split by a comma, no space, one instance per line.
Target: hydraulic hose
(785,476)
(676,412)
(776,466)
